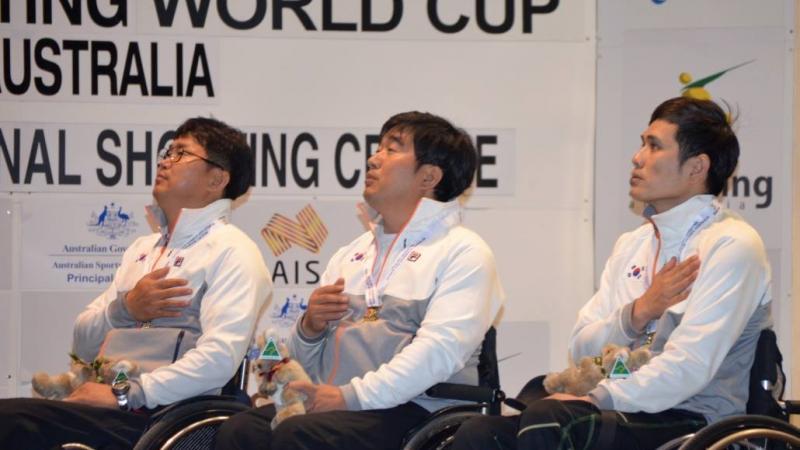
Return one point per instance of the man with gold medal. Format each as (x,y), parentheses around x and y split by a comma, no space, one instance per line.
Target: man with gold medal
(401,308)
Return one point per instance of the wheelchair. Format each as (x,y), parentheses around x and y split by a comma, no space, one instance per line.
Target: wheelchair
(191,424)
(438,431)
(765,426)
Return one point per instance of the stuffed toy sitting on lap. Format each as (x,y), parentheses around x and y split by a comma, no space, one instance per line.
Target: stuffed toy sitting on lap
(275,369)
(615,362)
(101,370)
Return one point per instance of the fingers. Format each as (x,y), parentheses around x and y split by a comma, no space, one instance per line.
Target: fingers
(309,390)
(688,265)
(329,298)
(682,282)
(336,288)
(165,283)
(174,292)
(172,305)
(159,273)
(304,387)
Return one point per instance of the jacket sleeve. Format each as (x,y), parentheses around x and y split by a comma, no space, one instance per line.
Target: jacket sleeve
(310,351)
(238,287)
(606,318)
(733,280)
(462,308)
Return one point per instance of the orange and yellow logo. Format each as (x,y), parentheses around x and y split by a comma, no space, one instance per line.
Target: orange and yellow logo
(308,232)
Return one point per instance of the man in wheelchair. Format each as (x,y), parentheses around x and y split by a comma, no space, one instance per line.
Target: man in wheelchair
(693,284)
(401,308)
(182,306)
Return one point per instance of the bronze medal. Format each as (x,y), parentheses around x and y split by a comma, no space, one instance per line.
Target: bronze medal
(371,315)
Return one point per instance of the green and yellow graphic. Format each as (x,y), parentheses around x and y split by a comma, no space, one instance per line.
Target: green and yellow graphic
(697,89)
(270,351)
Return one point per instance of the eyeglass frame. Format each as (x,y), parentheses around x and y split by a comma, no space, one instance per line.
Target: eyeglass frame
(167,153)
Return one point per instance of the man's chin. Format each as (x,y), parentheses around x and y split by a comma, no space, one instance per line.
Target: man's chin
(636,195)
(369,197)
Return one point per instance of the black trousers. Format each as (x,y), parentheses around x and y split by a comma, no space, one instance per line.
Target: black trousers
(377,429)
(552,424)
(30,423)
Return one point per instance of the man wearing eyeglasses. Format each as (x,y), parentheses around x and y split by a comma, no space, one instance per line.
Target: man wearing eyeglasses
(183,304)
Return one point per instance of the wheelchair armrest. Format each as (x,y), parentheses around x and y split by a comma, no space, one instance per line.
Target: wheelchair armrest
(792,406)
(453,391)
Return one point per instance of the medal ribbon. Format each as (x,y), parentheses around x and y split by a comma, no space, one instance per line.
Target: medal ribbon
(377,284)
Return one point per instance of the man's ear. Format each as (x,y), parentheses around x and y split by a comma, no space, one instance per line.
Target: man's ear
(429,176)
(698,166)
(219,180)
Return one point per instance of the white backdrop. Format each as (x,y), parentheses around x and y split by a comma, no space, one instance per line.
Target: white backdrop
(87,97)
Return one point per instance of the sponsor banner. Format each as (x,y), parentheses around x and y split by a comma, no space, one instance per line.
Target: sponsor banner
(78,244)
(315,19)
(308,161)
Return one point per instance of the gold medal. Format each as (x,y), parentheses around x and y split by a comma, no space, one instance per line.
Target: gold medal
(371,315)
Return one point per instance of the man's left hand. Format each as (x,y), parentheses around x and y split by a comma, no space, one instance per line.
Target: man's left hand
(321,397)
(568,397)
(94,394)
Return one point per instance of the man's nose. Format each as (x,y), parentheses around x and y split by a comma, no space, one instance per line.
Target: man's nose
(372,162)
(637,158)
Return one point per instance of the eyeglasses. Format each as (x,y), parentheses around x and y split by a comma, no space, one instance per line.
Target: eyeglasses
(174,154)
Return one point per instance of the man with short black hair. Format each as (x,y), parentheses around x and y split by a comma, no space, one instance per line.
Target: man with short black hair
(182,306)
(699,300)
(400,308)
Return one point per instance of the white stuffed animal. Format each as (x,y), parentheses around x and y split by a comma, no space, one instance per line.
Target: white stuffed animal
(101,370)
(275,369)
(579,380)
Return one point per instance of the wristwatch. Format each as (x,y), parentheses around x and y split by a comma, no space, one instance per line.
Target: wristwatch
(120,390)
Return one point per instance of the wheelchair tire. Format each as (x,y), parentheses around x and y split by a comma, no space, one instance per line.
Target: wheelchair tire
(438,434)
(189,427)
(759,426)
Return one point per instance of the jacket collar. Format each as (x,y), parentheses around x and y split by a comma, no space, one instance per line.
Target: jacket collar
(675,223)
(429,215)
(190,221)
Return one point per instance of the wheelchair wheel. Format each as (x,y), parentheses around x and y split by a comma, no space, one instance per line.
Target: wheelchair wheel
(189,427)
(752,431)
(438,434)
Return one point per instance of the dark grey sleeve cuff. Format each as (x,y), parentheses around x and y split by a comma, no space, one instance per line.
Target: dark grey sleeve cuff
(626,322)
(601,398)
(136,396)
(303,337)
(118,314)
(350,397)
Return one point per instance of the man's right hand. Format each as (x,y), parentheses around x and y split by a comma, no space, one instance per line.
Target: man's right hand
(154,296)
(671,285)
(327,303)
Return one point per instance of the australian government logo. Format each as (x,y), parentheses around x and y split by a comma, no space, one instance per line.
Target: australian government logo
(112,222)
(285,313)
